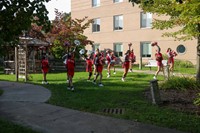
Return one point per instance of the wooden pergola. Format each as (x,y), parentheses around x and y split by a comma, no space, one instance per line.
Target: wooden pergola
(28,55)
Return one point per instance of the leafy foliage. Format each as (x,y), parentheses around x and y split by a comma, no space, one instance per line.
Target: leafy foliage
(65,30)
(197,100)
(183,64)
(180,83)
(18,15)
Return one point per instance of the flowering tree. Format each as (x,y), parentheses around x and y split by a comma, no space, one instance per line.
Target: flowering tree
(65,31)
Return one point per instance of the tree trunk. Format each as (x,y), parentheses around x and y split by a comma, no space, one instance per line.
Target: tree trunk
(198,56)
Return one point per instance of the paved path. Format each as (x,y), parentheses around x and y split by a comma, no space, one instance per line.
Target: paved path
(25,104)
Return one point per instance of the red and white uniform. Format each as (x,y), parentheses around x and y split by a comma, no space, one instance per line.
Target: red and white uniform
(132,57)
(45,65)
(126,62)
(110,59)
(98,61)
(171,55)
(89,63)
(159,58)
(70,64)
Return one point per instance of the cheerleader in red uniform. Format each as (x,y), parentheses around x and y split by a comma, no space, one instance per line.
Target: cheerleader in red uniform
(45,69)
(70,65)
(132,59)
(171,54)
(98,62)
(126,64)
(159,59)
(94,56)
(89,63)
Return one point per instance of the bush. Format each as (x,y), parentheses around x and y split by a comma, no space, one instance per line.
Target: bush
(183,64)
(197,100)
(180,83)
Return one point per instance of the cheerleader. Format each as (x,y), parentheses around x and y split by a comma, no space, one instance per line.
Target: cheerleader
(159,59)
(126,65)
(110,59)
(171,54)
(98,62)
(89,64)
(45,69)
(132,59)
(94,56)
(70,65)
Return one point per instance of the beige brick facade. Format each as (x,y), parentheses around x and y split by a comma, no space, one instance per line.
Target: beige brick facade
(132,31)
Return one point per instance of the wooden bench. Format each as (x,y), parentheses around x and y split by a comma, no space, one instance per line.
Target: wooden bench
(153,63)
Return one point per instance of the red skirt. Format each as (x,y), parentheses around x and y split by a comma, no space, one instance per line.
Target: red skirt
(99,68)
(70,73)
(89,68)
(126,65)
(45,70)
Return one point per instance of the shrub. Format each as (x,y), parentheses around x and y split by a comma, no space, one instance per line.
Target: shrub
(197,100)
(183,64)
(180,83)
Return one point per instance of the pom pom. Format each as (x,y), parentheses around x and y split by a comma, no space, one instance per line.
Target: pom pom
(77,42)
(82,51)
(154,43)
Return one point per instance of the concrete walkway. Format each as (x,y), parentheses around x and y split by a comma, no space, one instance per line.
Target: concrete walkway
(25,104)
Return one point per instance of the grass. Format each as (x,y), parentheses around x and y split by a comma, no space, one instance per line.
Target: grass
(127,95)
(9,127)
(177,69)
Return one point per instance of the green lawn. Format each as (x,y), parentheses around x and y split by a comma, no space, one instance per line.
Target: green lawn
(128,95)
(9,127)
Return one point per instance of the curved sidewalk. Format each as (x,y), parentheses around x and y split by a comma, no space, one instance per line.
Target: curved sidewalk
(25,105)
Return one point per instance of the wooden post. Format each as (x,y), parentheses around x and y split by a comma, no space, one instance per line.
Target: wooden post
(16,63)
(26,62)
(140,63)
(155,92)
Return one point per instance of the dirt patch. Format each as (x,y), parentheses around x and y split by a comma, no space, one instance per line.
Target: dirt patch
(178,100)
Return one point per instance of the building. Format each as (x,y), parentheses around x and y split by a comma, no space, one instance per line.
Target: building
(117,23)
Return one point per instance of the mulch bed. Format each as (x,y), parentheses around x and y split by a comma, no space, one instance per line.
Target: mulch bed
(178,100)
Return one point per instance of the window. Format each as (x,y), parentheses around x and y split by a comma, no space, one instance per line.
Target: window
(146,20)
(146,49)
(181,49)
(96,25)
(118,48)
(95,3)
(118,22)
(116,1)
(96,46)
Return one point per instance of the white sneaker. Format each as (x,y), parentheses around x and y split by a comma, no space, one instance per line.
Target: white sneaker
(46,83)
(88,80)
(154,77)
(123,79)
(43,82)
(114,73)
(94,82)
(101,85)
(68,88)
(72,89)
(173,74)
(108,76)
(67,81)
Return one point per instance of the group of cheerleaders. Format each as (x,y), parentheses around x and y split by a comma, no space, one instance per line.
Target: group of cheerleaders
(97,61)
(170,53)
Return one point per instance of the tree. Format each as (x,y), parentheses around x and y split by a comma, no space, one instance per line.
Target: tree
(18,15)
(184,14)
(65,31)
